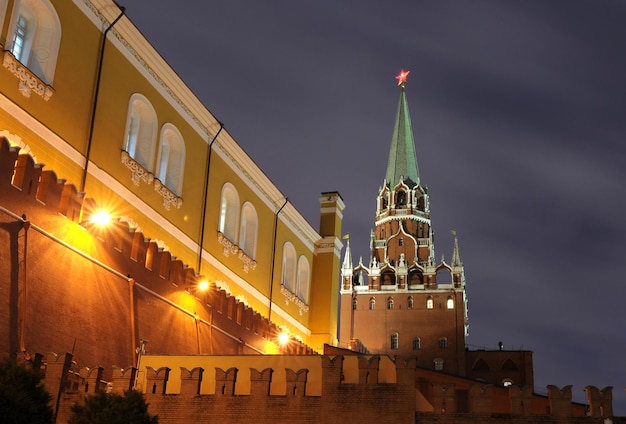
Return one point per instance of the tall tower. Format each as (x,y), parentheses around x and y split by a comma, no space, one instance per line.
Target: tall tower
(403,302)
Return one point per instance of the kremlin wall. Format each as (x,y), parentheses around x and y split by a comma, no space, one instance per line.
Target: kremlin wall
(333,389)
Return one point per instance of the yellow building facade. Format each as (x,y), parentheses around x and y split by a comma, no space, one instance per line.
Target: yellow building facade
(83,92)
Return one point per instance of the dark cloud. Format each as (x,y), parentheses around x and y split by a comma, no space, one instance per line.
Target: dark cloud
(518,115)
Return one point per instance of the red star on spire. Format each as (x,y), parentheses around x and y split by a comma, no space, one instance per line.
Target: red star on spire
(402,77)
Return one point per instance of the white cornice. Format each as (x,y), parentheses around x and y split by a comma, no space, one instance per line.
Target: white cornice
(402,218)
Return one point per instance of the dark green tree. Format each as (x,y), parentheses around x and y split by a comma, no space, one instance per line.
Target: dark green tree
(108,408)
(23,398)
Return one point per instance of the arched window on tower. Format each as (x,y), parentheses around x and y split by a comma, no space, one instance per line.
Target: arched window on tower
(141,125)
(438,362)
(289,267)
(401,199)
(394,341)
(248,230)
(372,304)
(229,212)
(390,303)
(360,278)
(171,159)
(417,343)
(388,278)
(450,303)
(416,277)
(355,304)
(429,302)
(443,342)
(410,302)
(34,36)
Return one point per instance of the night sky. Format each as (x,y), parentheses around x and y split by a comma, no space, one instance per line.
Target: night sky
(519,119)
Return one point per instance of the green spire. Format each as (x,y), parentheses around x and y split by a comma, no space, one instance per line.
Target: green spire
(402,160)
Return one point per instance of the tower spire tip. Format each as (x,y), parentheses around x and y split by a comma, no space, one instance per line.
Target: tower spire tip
(402,77)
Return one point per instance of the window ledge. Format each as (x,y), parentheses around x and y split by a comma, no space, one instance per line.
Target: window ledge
(169,198)
(249,264)
(28,82)
(138,171)
(291,297)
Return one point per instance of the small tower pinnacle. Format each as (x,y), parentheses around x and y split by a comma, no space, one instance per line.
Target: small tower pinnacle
(456,256)
(347,259)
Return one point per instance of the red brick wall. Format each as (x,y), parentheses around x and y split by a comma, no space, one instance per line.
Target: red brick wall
(69,303)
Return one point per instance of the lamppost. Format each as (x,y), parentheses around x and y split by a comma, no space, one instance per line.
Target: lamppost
(201,287)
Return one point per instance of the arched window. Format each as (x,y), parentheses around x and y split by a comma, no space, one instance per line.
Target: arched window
(388,278)
(248,230)
(450,303)
(171,159)
(141,125)
(372,304)
(303,279)
(34,37)
(360,278)
(355,304)
(410,302)
(390,303)
(394,341)
(417,343)
(289,267)
(401,199)
(443,342)
(229,212)
(429,303)
(416,277)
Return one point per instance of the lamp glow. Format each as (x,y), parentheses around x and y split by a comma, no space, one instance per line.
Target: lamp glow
(283,338)
(101,218)
(203,285)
